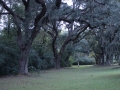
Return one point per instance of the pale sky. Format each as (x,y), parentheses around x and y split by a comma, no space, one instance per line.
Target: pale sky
(69,2)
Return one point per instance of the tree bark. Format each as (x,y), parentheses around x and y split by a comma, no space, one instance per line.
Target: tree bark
(103,60)
(23,62)
(107,59)
(67,57)
(99,60)
(57,63)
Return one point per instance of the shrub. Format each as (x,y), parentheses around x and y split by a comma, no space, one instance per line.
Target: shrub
(39,60)
(67,63)
(8,60)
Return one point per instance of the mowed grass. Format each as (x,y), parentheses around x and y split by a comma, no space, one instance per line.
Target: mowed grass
(74,78)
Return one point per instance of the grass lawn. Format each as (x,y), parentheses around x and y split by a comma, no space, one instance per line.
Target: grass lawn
(74,78)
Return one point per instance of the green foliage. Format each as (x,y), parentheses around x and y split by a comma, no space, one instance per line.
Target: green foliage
(70,61)
(84,61)
(8,56)
(34,61)
(66,59)
(40,56)
(44,52)
(81,52)
(67,63)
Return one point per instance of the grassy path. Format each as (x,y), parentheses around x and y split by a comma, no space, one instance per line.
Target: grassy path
(75,78)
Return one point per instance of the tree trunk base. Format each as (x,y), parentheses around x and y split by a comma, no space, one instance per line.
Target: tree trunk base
(23,66)
(27,74)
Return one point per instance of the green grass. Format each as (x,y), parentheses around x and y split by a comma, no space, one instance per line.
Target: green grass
(74,78)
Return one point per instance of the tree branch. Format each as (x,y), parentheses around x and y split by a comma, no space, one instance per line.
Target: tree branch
(42,13)
(26,4)
(65,20)
(4,13)
(58,3)
(19,34)
(99,2)
(38,18)
(7,8)
(82,29)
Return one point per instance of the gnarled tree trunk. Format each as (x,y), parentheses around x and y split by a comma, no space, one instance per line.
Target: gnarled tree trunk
(23,61)
(23,65)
